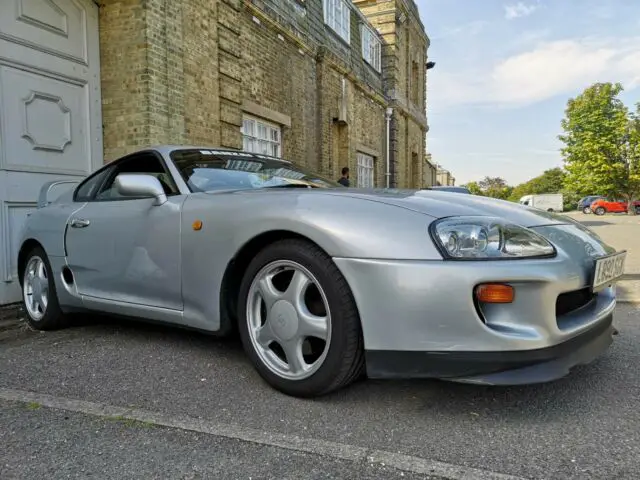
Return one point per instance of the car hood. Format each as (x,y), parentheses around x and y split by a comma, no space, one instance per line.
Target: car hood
(440,204)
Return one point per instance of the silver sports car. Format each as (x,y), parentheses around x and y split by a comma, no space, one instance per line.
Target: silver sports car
(323,283)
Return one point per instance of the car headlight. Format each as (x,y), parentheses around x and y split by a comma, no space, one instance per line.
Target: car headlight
(487,238)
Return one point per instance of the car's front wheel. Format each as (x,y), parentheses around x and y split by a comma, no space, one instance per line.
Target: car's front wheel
(638,210)
(39,293)
(586,210)
(599,211)
(298,320)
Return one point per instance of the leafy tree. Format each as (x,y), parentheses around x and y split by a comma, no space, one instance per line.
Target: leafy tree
(551,181)
(495,187)
(474,188)
(601,144)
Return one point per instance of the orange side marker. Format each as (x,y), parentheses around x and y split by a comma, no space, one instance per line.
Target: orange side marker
(197,225)
(495,293)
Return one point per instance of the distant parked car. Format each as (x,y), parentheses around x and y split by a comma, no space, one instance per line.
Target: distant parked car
(603,205)
(449,188)
(584,204)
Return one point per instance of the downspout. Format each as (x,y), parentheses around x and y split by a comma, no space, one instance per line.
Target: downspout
(388,115)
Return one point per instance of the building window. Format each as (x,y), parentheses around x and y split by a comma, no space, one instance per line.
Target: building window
(415,83)
(371,47)
(366,170)
(261,137)
(337,15)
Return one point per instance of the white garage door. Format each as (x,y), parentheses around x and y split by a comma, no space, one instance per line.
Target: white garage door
(50,115)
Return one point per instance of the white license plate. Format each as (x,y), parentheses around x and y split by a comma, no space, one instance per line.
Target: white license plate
(609,269)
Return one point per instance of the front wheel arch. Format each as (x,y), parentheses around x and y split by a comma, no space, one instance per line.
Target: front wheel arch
(236,268)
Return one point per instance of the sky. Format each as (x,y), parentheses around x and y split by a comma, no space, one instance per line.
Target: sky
(505,70)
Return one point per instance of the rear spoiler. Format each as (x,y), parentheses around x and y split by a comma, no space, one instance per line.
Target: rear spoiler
(43,198)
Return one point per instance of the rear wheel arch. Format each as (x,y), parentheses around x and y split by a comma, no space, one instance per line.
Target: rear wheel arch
(26,247)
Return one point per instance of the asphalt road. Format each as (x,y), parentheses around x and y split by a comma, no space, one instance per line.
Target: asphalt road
(585,426)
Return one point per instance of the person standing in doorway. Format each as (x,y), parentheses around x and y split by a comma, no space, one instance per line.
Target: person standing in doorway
(344,179)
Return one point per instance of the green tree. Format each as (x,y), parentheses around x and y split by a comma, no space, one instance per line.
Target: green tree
(495,187)
(550,181)
(474,188)
(601,144)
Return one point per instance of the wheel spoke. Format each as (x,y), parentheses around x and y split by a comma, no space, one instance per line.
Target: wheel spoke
(312,325)
(41,272)
(297,288)
(36,302)
(268,292)
(293,351)
(265,335)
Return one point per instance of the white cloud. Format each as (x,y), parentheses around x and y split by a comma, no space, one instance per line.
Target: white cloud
(518,10)
(561,67)
(467,29)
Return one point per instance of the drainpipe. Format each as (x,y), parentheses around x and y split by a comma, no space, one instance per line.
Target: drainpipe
(388,115)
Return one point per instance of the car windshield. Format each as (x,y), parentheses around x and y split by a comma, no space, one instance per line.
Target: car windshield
(206,170)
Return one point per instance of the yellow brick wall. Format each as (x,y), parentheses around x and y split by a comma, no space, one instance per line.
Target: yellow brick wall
(181,72)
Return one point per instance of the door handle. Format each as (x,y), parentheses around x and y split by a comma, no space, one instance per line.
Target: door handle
(80,223)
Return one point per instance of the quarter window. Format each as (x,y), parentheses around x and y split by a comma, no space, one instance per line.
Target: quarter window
(371,48)
(366,170)
(88,189)
(261,137)
(337,14)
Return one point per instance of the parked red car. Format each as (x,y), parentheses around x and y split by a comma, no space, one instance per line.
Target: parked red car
(603,205)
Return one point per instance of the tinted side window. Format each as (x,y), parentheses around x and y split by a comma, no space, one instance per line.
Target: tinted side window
(146,163)
(87,190)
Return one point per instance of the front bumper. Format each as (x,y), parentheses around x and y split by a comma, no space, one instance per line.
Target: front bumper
(420,319)
(495,368)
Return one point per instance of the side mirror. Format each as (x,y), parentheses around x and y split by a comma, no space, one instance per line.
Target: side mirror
(142,186)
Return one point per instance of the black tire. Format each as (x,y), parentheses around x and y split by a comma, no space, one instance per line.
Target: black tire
(344,362)
(637,210)
(549,209)
(599,211)
(586,210)
(53,317)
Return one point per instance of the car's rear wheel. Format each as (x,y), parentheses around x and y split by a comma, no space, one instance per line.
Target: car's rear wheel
(39,295)
(298,320)
(586,210)
(599,211)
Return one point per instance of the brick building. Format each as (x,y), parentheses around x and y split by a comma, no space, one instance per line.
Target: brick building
(444,177)
(322,82)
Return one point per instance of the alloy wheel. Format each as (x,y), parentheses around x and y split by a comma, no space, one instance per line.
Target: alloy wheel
(36,288)
(289,320)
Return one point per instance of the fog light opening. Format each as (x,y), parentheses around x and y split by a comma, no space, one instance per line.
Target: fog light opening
(494,293)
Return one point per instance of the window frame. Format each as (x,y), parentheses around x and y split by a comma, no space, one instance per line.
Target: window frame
(330,17)
(110,167)
(371,47)
(361,168)
(270,126)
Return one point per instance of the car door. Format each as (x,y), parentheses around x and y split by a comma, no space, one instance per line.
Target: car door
(616,206)
(128,249)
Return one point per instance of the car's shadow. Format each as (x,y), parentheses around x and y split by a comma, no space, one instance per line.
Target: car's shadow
(433,396)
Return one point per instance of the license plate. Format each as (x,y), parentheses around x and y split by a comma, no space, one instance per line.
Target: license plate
(609,269)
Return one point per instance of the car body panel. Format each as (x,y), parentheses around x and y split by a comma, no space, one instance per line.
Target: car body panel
(154,262)
(141,264)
